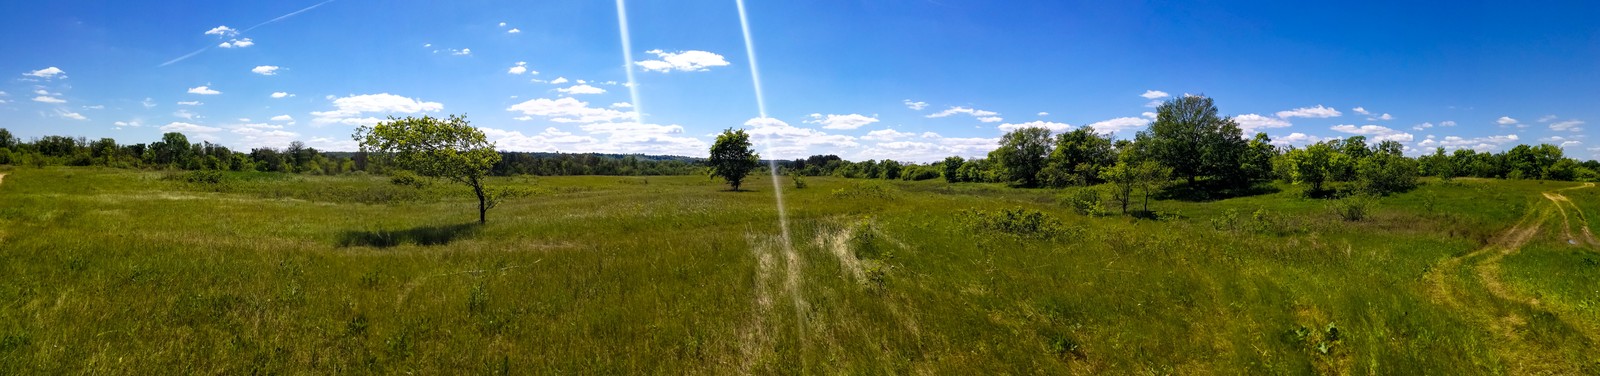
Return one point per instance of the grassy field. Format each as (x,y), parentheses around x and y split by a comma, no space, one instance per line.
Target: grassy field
(128,272)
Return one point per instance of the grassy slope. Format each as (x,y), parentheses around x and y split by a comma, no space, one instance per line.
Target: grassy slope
(122,272)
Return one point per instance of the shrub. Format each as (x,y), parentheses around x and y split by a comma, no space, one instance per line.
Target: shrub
(799,181)
(407,179)
(1019,221)
(204,177)
(1353,208)
(1085,201)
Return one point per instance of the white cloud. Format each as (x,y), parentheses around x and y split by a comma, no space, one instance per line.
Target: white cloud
(262,135)
(520,68)
(931,147)
(1310,112)
(777,139)
(185,114)
(886,135)
(1547,118)
(130,123)
(1042,113)
(43,92)
(95,107)
(1252,123)
(502,24)
(1052,126)
(47,73)
(1377,132)
(1447,123)
(70,115)
(281,95)
(203,90)
(1506,120)
(1360,110)
(1477,143)
(333,144)
(991,119)
(551,139)
(283,118)
(187,127)
(581,89)
(148,103)
(222,31)
(915,105)
(559,80)
(1148,115)
(48,99)
(265,70)
(1569,125)
(237,43)
(622,105)
(1422,126)
(513,31)
(1154,94)
(851,121)
(190,103)
(567,110)
(1297,138)
(963,110)
(683,61)
(456,52)
(1119,124)
(350,110)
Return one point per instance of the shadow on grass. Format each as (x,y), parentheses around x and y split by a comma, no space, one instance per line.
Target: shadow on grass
(1212,190)
(425,235)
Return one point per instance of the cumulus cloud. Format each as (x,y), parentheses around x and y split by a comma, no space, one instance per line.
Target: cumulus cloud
(850,121)
(778,139)
(514,31)
(622,105)
(70,115)
(47,73)
(1052,126)
(48,99)
(581,89)
(355,109)
(1376,132)
(918,106)
(1385,116)
(928,147)
(683,61)
(1119,124)
(559,80)
(1154,94)
(1042,113)
(182,127)
(1569,125)
(265,70)
(1310,112)
(1297,138)
(567,110)
(185,114)
(281,95)
(237,43)
(1251,123)
(1547,118)
(130,123)
(262,135)
(190,103)
(1361,110)
(551,139)
(203,90)
(283,118)
(222,31)
(1505,120)
(148,103)
(1486,143)
(520,68)
(886,135)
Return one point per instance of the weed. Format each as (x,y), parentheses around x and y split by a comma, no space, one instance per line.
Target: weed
(1353,208)
(1021,222)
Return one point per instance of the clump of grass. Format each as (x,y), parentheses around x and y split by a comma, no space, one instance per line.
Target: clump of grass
(1085,201)
(1352,208)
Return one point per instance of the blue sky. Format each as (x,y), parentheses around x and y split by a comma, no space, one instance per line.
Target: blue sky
(903,79)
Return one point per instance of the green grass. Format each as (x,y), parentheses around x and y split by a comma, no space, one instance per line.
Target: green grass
(125,272)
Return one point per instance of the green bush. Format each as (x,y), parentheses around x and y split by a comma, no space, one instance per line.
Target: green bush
(799,181)
(1019,221)
(1085,201)
(203,177)
(408,179)
(1353,208)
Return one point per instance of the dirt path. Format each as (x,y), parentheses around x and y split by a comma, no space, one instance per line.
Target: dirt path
(2,178)
(1474,285)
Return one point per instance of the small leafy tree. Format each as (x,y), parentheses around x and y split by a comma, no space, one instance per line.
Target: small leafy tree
(952,169)
(1022,154)
(448,148)
(732,159)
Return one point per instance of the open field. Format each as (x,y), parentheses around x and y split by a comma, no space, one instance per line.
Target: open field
(125,272)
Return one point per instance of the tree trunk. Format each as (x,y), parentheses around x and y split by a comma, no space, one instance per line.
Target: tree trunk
(483,201)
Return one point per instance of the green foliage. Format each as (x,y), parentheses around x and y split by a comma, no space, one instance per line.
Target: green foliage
(1189,137)
(1022,222)
(1352,208)
(1385,173)
(732,159)
(202,177)
(952,169)
(799,181)
(407,179)
(1022,155)
(1085,201)
(448,148)
(1078,157)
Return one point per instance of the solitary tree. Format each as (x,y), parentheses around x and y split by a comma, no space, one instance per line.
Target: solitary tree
(442,148)
(1022,155)
(731,157)
(952,167)
(1190,137)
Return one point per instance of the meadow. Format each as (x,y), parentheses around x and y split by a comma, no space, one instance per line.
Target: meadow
(110,271)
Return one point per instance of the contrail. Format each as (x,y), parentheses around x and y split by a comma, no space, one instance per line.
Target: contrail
(627,61)
(207,48)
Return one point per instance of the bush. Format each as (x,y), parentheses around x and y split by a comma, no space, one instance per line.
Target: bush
(799,182)
(1353,208)
(408,179)
(1019,221)
(1085,201)
(203,177)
